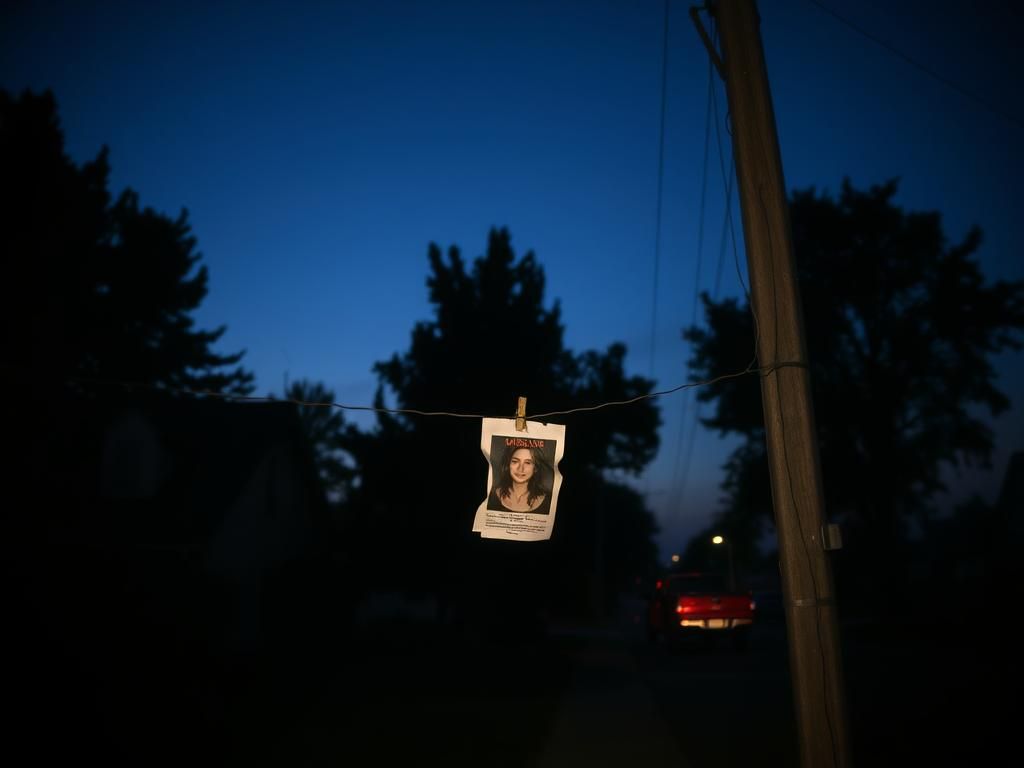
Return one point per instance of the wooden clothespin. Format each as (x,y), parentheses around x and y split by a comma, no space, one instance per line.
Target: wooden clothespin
(521,415)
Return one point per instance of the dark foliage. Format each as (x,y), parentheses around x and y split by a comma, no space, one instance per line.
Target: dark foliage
(421,479)
(96,290)
(323,426)
(901,329)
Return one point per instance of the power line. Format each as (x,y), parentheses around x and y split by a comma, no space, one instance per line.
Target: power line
(914,63)
(661,177)
(762,370)
(727,228)
(235,397)
(675,483)
(727,179)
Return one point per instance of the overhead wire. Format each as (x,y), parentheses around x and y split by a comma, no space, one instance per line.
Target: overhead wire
(914,63)
(749,369)
(727,179)
(676,488)
(237,397)
(727,228)
(661,180)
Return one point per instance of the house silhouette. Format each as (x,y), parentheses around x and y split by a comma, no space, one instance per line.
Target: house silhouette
(169,551)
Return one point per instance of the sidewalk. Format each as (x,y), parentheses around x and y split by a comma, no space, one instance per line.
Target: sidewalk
(607,716)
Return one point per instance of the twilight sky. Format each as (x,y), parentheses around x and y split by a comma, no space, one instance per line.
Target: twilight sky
(319,147)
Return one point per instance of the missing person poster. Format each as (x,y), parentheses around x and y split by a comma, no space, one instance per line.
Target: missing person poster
(523,480)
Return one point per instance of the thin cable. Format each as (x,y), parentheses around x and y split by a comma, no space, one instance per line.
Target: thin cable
(703,193)
(764,370)
(661,177)
(792,490)
(638,398)
(727,225)
(931,73)
(688,456)
(696,279)
(726,228)
(727,180)
(732,230)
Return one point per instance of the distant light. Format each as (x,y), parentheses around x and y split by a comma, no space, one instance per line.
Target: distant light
(717,540)
(675,558)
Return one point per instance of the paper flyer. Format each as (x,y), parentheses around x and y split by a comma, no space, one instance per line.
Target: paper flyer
(523,480)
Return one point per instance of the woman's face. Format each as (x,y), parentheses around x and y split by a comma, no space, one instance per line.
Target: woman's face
(521,465)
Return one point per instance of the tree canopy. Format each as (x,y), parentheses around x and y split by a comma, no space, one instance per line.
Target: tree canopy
(97,289)
(491,339)
(324,428)
(901,331)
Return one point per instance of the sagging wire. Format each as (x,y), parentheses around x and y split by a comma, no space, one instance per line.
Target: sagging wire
(661,178)
(235,397)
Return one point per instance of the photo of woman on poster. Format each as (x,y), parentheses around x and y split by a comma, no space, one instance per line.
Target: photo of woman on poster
(521,481)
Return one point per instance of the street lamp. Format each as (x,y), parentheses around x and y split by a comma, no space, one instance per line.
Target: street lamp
(728,550)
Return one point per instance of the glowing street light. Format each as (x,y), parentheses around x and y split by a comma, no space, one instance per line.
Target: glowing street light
(728,549)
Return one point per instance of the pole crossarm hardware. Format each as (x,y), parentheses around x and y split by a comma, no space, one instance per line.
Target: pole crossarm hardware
(790,434)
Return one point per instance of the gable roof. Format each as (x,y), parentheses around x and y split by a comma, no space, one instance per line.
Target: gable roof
(208,450)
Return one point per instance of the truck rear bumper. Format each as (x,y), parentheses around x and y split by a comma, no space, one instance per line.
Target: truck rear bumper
(716,623)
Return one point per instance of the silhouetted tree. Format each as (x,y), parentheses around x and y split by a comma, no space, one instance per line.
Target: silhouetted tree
(95,290)
(99,292)
(324,427)
(421,478)
(901,328)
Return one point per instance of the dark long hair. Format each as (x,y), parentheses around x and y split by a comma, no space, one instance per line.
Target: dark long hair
(536,487)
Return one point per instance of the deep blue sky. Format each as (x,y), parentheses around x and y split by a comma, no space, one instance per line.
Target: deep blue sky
(319,147)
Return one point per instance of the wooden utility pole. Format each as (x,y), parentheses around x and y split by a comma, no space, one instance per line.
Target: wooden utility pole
(807,586)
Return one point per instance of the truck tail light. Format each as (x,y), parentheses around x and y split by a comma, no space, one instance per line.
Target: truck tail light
(685,605)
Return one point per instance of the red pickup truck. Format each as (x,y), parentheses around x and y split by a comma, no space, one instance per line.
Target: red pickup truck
(699,605)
